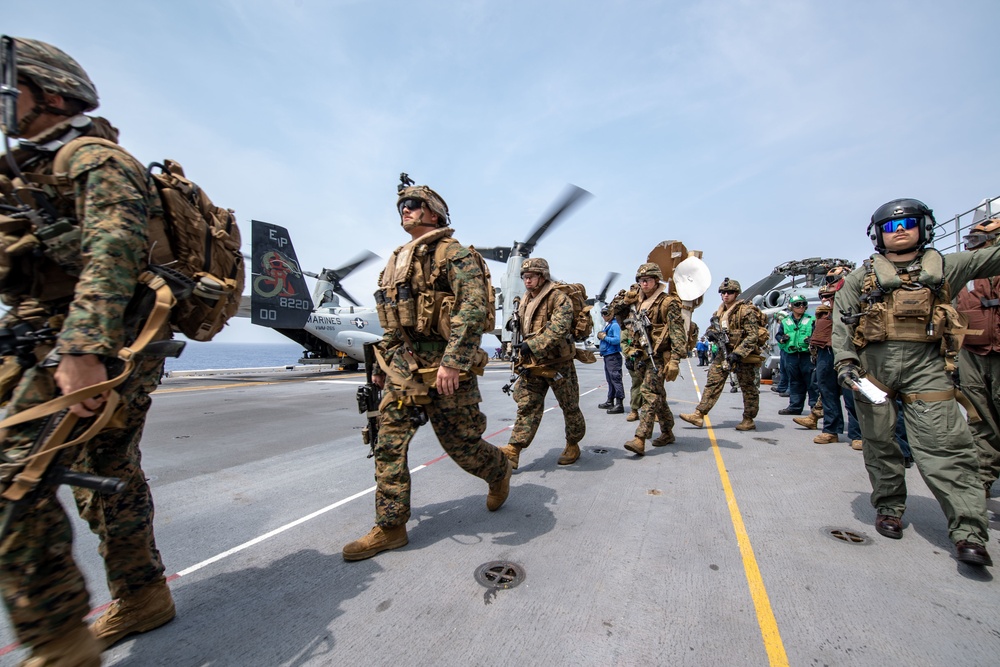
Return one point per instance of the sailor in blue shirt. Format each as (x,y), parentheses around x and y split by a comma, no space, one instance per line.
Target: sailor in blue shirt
(611,352)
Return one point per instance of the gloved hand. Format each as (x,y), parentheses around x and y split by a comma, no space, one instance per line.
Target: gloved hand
(848,375)
(734,358)
(632,295)
(782,338)
(672,369)
(523,349)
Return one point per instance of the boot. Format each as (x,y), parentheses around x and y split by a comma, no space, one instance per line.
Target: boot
(569,455)
(746,425)
(826,438)
(75,648)
(666,438)
(809,421)
(499,490)
(636,446)
(632,416)
(513,454)
(606,404)
(695,418)
(378,539)
(617,408)
(148,608)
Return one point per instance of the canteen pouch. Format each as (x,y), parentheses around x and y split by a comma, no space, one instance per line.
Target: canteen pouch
(912,302)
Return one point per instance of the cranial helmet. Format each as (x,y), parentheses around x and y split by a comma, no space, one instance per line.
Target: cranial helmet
(649,269)
(435,202)
(834,280)
(535,265)
(797,299)
(50,70)
(729,285)
(902,208)
(983,235)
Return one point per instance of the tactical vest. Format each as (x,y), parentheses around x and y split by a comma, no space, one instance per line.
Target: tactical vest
(734,323)
(981,306)
(822,330)
(535,313)
(897,305)
(40,245)
(414,294)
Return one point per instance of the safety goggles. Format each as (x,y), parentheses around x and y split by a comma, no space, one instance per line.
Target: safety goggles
(890,226)
(799,305)
(411,203)
(728,291)
(978,239)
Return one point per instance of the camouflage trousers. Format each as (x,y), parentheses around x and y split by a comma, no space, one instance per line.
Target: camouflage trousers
(460,432)
(42,587)
(746,376)
(654,403)
(530,397)
(980,377)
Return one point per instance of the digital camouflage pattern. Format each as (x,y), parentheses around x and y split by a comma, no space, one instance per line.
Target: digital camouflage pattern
(456,419)
(654,404)
(536,265)
(729,285)
(746,376)
(43,589)
(547,334)
(54,71)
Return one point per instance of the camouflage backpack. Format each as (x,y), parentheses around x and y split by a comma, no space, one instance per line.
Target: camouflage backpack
(583,323)
(192,242)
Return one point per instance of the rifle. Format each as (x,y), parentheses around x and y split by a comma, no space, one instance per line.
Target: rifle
(640,324)
(514,326)
(720,337)
(369,398)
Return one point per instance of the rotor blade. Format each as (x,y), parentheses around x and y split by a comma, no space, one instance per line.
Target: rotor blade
(342,292)
(602,295)
(571,196)
(496,254)
(354,264)
(762,286)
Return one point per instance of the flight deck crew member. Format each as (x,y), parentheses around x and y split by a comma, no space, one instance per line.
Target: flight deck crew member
(743,322)
(667,336)
(548,355)
(903,342)
(78,282)
(979,360)
(793,338)
(611,353)
(428,364)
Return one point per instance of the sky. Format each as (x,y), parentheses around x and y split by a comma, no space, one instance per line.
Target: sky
(757,132)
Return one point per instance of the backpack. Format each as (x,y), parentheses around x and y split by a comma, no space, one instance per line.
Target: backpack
(583,323)
(441,256)
(192,242)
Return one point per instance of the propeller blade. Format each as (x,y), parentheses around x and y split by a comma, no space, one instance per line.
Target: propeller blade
(571,196)
(354,264)
(495,254)
(761,286)
(603,294)
(342,292)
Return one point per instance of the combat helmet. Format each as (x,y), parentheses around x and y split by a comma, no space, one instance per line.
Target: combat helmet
(983,235)
(898,209)
(833,280)
(435,202)
(535,265)
(48,69)
(730,285)
(649,269)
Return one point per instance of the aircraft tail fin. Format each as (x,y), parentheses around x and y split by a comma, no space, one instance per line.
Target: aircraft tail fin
(279,297)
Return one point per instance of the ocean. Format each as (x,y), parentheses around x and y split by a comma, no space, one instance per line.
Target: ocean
(202,356)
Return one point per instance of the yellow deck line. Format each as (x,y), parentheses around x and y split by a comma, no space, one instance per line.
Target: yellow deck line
(762,605)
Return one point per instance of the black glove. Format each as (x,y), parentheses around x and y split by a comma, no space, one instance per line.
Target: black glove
(523,349)
(509,326)
(848,375)
(734,358)
(782,338)
(956,379)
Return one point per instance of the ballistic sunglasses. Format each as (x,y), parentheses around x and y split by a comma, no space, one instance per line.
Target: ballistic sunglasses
(728,291)
(890,226)
(410,203)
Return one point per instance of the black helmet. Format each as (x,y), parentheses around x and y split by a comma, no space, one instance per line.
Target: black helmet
(902,208)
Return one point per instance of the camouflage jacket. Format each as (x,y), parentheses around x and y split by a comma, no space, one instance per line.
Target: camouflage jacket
(550,327)
(668,334)
(743,325)
(110,200)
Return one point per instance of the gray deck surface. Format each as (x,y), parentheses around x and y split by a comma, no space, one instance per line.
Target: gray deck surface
(628,561)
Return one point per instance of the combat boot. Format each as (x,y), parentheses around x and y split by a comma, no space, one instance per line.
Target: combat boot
(666,438)
(499,490)
(513,454)
(809,421)
(146,609)
(636,446)
(826,438)
(695,418)
(632,416)
(76,648)
(617,408)
(378,539)
(569,455)
(746,425)
(606,404)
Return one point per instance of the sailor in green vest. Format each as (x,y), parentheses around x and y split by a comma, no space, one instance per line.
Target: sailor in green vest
(797,365)
(894,326)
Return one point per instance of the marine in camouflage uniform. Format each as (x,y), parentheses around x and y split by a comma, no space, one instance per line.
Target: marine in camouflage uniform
(78,283)
(893,347)
(433,303)
(742,322)
(548,352)
(668,338)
